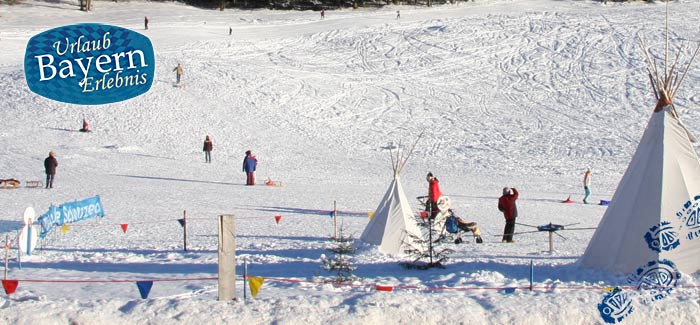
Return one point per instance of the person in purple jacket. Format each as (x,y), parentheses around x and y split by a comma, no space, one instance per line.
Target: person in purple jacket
(249,165)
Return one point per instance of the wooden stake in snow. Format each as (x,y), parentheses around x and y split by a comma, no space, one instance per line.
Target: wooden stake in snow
(227,257)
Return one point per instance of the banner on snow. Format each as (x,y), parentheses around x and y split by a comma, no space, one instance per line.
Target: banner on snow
(68,213)
(89,64)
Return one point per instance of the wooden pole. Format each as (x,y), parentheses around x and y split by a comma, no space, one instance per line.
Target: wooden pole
(551,242)
(227,258)
(184,229)
(7,254)
(335,221)
(245,278)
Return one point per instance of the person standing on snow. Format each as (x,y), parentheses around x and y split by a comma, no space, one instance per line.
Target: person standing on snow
(145,22)
(178,72)
(587,185)
(208,146)
(434,194)
(506,204)
(50,164)
(249,165)
(323,13)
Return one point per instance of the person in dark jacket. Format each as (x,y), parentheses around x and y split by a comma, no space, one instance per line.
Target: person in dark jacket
(249,165)
(208,146)
(50,164)
(434,194)
(145,22)
(506,204)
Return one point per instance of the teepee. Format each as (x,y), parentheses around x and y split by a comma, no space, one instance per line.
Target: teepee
(394,217)
(654,214)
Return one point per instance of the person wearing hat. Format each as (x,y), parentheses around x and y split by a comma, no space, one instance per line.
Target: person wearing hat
(50,164)
(434,194)
(208,146)
(249,165)
(506,204)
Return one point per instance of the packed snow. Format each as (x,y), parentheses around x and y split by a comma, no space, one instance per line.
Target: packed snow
(518,93)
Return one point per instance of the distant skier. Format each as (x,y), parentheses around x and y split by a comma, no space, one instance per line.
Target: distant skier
(145,22)
(249,165)
(178,72)
(506,204)
(323,13)
(398,14)
(587,185)
(86,127)
(50,164)
(230,31)
(208,146)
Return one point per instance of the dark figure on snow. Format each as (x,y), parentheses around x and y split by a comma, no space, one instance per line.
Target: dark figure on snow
(86,127)
(50,164)
(178,72)
(249,165)
(323,13)
(434,194)
(208,146)
(506,204)
(230,31)
(145,22)
(398,14)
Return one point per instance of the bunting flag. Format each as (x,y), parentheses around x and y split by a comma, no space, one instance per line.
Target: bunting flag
(64,229)
(124,226)
(181,221)
(255,283)
(423,214)
(508,290)
(384,288)
(278,218)
(331,214)
(144,288)
(370,214)
(10,286)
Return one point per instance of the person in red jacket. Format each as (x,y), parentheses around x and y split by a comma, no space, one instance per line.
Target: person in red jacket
(434,194)
(506,204)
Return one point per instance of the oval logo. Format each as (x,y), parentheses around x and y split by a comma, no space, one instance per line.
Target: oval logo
(89,64)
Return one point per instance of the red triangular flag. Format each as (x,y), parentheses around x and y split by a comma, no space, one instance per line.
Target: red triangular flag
(10,286)
(124,226)
(423,214)
(278,218)
(384,288)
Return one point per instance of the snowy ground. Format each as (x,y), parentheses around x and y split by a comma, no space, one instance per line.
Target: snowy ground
(522,93)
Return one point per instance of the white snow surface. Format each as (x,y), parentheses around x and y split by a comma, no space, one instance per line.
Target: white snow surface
(520,93)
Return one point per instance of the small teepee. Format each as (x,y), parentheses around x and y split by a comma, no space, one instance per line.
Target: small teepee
(394,216)
(654,214)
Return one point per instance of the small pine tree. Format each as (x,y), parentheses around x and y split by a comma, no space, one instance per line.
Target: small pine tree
(343,248)
(426,246)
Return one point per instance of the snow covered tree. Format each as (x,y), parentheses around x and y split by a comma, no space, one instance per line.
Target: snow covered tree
(342,248)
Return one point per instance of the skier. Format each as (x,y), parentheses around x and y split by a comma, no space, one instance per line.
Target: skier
(249,165)
(145,22)
(86,127)
(587,185)
(506,204)
(230,31)
(178,72)
(50,164)
(208,146)
(434,194)
(323,13)
(398,14)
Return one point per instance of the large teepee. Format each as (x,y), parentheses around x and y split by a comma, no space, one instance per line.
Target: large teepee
(655,211)
(393,217)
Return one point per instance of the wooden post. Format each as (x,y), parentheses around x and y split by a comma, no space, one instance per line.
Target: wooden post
(227,258)
(335,222)
(7,254)
(184,229)
(551,241)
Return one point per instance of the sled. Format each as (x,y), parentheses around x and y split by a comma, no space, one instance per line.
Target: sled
(34,184)
(270,182)
(9,183)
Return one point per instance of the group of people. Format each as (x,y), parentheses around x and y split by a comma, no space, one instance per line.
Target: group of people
(250,162)
(506,203)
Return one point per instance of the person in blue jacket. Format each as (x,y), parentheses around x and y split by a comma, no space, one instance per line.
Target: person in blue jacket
(249,165)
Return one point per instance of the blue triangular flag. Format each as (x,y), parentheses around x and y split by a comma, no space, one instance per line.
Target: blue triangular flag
(144,288)
(181,221)
(331,214)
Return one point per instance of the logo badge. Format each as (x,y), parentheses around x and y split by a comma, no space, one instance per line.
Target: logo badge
(662,237)
(89,64)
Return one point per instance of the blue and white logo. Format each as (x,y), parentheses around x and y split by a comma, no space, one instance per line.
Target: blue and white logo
(89,64)
(662,237)
(615,306)
(690,218)
(655,280)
